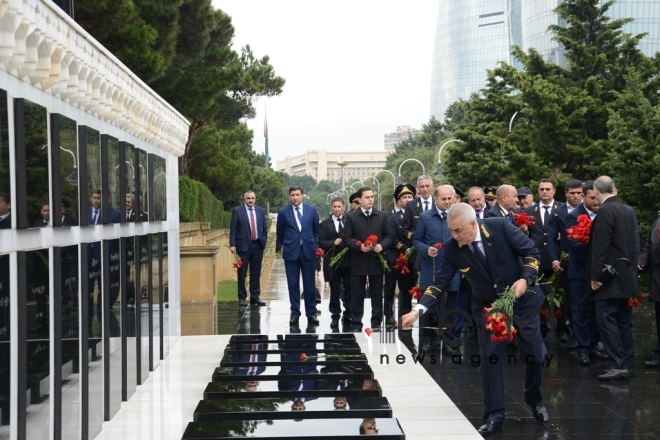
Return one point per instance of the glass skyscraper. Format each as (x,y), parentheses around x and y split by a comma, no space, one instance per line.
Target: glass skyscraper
(473,35)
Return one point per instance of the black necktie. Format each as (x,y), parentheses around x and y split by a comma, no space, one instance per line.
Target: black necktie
(480,256)
(367,213)
(95,217)
(443,215)
(426,205)
(546,216)
(511,218)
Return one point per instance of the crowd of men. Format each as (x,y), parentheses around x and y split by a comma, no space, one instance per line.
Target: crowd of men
(463,256)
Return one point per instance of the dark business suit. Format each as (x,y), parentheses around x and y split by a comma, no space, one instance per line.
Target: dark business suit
(614,236)
(94,263)
(510,256)
(557,228)
(41,224)
(496,212)
(414,209)
(367,264)
(298,247)
(250,251)
(405,282)
(340,275)
(251,357)
(538,233)
(68,220)
(5,223)
(649,257)
(131,217)
(583,321)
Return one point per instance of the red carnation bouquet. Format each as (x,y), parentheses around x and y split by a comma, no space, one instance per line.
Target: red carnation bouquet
(320,253)
(401,264)
(416,292)
(238,263)
(499,319)
(581,231)
(523,221)
(636,302)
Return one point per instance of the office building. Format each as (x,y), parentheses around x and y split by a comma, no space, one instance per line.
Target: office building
(402,132)
(322,164)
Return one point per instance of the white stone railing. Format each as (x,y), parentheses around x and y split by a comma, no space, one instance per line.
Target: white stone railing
(44,47)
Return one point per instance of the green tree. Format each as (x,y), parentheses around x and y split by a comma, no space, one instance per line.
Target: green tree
(269,187)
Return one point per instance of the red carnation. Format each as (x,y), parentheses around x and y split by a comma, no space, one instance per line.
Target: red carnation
(438,245)
(371,240)
(303,357)
(238,263)
(581,231)
(523,219)
(636,302)
(320,253)
(368,331)
(416,292)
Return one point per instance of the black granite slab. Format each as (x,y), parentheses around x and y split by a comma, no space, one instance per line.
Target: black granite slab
(292,359)
(345,429)
(338,407)
(289,346)
(336,372)
(268,338)
(291,388)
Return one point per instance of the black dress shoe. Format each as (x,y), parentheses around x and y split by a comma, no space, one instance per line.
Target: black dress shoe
(583,358)
(614,374)
(242,303)
(347,320)
(540,413)
(257,303)
(489,428)
(595,353)
(390,321)
(293,321)
(653,363)
(334,323)
(311,320)
(572,344)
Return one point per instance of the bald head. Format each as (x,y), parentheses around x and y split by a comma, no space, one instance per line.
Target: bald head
(507,196)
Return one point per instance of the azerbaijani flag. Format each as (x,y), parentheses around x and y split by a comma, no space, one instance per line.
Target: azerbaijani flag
(266,157)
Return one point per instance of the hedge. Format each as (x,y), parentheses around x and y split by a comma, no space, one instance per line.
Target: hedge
(198,204)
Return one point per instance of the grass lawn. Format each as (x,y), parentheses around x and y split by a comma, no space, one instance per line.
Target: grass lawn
(227,291)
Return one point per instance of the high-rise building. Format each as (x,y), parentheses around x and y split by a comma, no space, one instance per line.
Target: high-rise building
(474,35)
(402,132)
(471,36)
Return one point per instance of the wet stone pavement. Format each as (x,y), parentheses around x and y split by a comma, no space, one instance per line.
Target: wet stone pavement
(580,406)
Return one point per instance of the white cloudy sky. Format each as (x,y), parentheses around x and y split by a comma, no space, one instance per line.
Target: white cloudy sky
(354,70)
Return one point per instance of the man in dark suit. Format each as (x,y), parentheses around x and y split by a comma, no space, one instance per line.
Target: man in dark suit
(361,224)
(542,213)
(557,227)
(413,210)
(477,200)
(583,320)
(45,216)
(507,195)
(67,220)
(248,234)
(131,214)
(403,193)
(614,241)
(330,241)
(649,259)
(5,210)
(297,231)
(432,229)
(94,212)
(493,255)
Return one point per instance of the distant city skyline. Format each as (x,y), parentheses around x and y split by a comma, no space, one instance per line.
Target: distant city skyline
(354,71)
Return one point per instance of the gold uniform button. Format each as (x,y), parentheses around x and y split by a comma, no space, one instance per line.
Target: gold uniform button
(495,286)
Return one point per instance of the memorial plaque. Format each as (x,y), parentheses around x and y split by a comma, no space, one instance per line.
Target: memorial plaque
(288,346)
(312,387)
(345,429)
(294,358)
(268,339)
(288,408)
(64,157)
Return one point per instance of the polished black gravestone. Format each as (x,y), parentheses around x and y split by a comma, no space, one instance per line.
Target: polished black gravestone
(270,388)
(330,428)
(352,372)
(287,387)
(340,407)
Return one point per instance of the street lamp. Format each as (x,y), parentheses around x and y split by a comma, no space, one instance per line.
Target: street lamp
(393,178)
(511,121)
(400,180)
(342,164)
(439,172)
